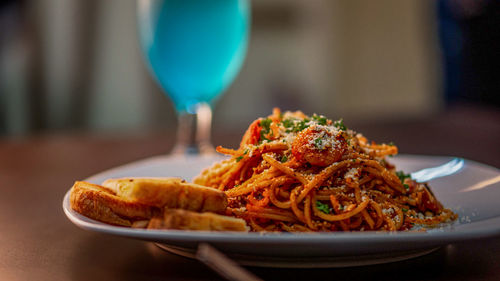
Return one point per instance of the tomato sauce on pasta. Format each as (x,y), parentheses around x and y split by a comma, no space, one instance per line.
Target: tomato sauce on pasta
(294,172)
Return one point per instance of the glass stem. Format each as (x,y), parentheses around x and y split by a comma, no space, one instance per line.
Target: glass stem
(193,131)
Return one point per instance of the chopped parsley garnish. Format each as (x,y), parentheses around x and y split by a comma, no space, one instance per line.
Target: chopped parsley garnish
(341,207)
(301,125)
(402,176)
(406,186)
(238,159)
(295,125)
(323,207)
(404,210)
(391,143)
(339,124)
(265,124)
(287,123)
(321,120)
(318,143)
(284,159)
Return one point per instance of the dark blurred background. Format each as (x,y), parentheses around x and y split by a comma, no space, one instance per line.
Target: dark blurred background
(75,65)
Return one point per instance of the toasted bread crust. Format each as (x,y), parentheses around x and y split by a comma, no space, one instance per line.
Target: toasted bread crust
(187,220)
(100,203)
(169,193)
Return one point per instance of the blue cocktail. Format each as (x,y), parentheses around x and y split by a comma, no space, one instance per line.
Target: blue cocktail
(195,49)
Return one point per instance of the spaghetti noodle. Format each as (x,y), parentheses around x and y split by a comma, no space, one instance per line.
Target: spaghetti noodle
(293,173)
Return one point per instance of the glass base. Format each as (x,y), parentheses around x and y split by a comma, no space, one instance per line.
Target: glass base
(193,132)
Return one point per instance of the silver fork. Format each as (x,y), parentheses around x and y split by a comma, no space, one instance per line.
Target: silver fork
(223,265)
(449,168)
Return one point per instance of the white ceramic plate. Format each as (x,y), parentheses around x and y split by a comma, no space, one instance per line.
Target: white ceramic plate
(473,193)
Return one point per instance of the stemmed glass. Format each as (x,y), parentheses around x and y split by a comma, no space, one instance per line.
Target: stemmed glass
(194,48)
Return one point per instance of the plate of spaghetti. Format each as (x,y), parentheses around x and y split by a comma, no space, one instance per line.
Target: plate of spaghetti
(315,193)
(297,173)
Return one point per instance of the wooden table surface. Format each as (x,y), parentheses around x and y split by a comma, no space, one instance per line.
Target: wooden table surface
(37,241)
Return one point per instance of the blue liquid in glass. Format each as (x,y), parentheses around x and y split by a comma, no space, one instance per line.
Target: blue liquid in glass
(195,48)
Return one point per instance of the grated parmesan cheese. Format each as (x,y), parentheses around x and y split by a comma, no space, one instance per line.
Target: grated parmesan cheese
(388,211)
(353,173)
